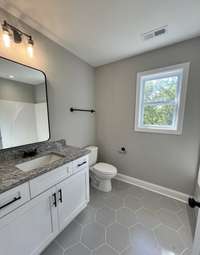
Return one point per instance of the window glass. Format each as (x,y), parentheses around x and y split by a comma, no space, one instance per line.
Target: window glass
(160,100)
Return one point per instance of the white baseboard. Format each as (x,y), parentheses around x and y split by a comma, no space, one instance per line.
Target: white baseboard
(153,187)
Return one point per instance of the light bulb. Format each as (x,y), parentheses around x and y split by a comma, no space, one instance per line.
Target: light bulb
(30,50)
(30,47)
(6,38)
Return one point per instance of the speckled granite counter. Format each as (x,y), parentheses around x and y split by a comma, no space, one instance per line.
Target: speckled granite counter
(11,176)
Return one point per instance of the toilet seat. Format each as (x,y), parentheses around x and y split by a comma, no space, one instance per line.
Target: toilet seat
(104,169)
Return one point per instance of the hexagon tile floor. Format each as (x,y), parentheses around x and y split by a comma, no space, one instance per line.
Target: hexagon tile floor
(127,221)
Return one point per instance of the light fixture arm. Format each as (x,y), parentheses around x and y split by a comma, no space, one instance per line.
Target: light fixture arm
(14,29)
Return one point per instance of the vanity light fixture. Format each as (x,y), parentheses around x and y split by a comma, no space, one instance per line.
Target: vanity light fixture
(11,31)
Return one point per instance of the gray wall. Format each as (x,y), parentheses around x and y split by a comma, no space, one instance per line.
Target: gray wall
(70,83)
(16,91)
(166,160)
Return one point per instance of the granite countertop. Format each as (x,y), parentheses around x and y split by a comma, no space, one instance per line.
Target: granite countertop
(11,176)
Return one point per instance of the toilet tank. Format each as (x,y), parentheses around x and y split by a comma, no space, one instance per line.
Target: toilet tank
(92,155)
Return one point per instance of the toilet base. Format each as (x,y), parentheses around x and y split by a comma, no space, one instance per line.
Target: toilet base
(101,184)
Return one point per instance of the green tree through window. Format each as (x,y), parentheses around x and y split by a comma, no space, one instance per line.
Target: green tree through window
(160,101)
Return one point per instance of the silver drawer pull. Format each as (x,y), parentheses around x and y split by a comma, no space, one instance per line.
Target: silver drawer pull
(10,202)
(83,163)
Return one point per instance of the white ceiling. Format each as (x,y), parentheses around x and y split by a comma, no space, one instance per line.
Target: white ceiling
(102,31)
(20,73)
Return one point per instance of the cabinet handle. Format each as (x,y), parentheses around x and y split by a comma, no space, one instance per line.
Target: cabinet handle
(83,163)
(55,200)
(10,202)
(60,193)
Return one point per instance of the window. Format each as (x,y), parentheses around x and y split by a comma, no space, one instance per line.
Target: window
(160,99)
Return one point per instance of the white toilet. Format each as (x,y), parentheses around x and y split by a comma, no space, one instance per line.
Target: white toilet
(100,173)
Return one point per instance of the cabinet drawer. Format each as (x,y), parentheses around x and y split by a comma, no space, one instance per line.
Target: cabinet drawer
(47,180)
(80,164)
(14,198)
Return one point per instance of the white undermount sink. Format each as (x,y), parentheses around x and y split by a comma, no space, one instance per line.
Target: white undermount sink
(39,162)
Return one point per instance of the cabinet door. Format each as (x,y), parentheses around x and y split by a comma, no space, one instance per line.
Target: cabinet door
(73,196)
(30,228)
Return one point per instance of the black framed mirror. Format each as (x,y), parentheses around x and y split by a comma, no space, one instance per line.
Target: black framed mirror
(24,114)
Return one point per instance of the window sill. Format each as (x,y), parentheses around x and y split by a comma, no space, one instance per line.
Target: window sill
(159,131)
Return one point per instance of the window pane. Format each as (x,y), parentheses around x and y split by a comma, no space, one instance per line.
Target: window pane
(158,115)
(163,89)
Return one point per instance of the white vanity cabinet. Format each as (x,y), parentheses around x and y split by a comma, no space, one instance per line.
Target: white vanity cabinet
(73,194)
(28,229)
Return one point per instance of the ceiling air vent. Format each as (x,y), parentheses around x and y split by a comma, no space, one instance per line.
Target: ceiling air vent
(154,33)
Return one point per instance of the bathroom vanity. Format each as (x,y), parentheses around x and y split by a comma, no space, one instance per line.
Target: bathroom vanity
(37,204)
(43,185)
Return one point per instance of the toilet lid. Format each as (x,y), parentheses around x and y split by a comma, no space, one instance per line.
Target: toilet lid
(105,168)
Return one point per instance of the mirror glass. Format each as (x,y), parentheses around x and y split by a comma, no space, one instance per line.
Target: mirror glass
(23,105)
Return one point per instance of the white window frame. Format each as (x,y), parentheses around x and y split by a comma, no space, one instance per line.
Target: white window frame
(182,70)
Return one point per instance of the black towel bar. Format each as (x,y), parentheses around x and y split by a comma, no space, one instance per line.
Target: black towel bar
(81,110)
